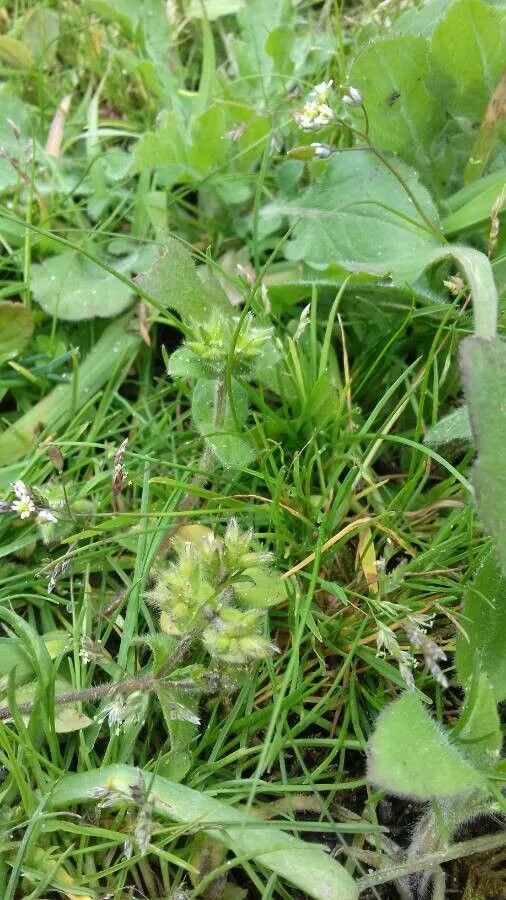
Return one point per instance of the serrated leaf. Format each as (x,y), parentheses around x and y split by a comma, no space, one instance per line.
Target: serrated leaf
(411,755)
(403,116)
(484,370)
(422,20)
(456,426)
(16,327)
(173,282)
(359,216)
(484,622)
(468,54)
(74,288)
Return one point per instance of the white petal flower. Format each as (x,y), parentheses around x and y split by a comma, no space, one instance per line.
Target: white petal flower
(24,507)
(321,92)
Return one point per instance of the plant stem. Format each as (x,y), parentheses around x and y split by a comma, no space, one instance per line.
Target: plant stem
(427,862)
(205,464)
(148,683)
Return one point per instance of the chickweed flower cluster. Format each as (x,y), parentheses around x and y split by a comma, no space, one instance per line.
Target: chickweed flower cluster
(219,588)
(28,505)
(215,341)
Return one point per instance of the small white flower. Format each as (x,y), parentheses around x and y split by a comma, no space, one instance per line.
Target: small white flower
(321,92)
(24,507)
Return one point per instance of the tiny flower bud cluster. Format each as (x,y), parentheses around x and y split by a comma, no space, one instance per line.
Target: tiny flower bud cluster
(316,112)
(214,341)
(208,590)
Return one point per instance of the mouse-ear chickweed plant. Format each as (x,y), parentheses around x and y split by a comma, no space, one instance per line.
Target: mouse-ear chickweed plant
(338,212)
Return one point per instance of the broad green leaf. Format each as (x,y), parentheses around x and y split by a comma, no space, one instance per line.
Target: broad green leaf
(204,406)
(304,865)
(257,19)
(41,32)
(166,146)
(13,109)
(484,622)
(72,287)
(174,283)
(359,216)
(473,204)
(116,347)
(484,370)
(411,755)
(456,426)
(479,726)
(15,53)
(422,20)
(16,327)
(184,363)
(213,8)
(124,12)
(232,450)
(403,116)
(13,654)
(262,589)
(468,57)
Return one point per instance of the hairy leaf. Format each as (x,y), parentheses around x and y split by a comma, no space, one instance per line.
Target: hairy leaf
(484,370)
(411,755)
(456,426)
(484,623)
(173,283)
